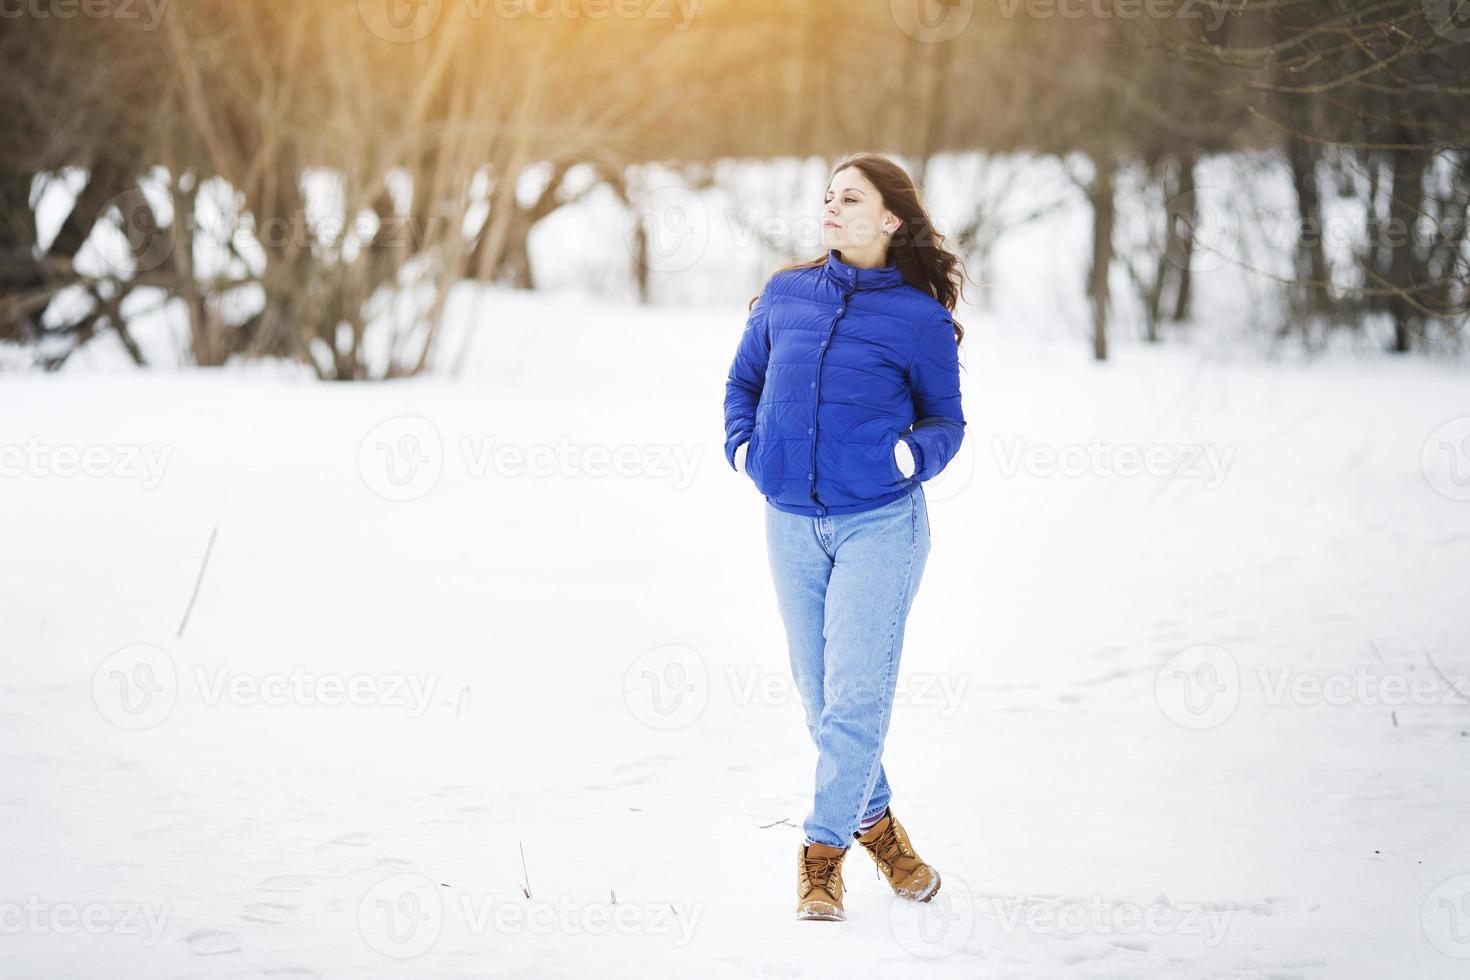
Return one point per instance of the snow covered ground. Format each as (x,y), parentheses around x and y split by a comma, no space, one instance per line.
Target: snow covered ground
(484,676)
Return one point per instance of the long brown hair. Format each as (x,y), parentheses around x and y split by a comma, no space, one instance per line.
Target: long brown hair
(917,247)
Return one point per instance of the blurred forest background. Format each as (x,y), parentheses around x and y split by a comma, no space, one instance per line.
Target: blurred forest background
(310,180)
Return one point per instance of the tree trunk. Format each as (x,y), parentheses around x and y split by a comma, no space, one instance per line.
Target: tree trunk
(1311,258)
(1404,264)
(1101,196)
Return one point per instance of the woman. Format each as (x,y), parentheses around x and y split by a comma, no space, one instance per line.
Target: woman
(844,396)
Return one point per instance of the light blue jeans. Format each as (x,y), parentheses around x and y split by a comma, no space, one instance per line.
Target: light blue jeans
(844,586)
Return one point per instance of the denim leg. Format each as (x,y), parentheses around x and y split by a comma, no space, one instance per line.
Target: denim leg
(879,560)
(800,569)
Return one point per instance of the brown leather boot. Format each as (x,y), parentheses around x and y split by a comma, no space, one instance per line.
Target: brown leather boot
(819,884)
(906,872)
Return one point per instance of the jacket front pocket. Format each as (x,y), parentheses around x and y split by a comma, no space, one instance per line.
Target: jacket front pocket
(869,468)
(752,456)
(896,474)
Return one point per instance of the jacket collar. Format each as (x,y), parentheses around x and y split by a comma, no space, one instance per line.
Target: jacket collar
(850,276)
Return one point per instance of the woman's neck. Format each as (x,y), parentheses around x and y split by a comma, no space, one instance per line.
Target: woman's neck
(876,257)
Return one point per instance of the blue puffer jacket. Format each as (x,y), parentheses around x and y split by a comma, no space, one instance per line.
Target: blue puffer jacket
(837,364)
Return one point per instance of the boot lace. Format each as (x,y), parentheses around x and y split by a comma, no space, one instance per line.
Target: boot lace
(887,847)
(820,871)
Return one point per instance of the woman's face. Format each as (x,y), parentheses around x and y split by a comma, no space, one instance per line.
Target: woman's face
(854,216)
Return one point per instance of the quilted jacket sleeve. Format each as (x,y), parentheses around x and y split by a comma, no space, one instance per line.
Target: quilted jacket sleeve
(746,379)
(934,381)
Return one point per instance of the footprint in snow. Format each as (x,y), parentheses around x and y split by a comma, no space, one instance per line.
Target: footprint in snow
(1086,954)
(393,864)
(211,942)
(1131,943)
(286,883)
(272,912)
(438,822)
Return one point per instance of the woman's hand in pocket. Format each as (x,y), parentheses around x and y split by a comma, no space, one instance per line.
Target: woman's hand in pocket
(903,457)
(740,456)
